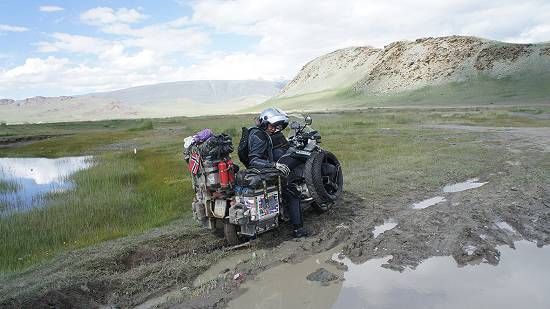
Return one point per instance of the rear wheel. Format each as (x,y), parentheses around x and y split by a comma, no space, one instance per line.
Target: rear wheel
(230,232)
(324,179)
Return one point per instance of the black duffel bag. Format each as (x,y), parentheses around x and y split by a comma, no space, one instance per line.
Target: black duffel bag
(216,147)
(254,178)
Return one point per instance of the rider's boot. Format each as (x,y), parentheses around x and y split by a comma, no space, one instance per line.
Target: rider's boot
(299,231)
(297,219)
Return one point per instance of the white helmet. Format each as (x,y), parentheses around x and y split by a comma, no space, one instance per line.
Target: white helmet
(274,116)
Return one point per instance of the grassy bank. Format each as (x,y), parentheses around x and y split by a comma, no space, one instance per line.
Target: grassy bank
(478,91)
(384,153)
(121,194)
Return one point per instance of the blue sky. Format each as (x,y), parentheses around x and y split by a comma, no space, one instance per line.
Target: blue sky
(55,48)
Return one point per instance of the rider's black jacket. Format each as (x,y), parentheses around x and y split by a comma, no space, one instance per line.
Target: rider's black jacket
(260,148)
(280,145)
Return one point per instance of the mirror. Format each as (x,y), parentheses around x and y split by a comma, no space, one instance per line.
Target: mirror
(308,120)
(294,125)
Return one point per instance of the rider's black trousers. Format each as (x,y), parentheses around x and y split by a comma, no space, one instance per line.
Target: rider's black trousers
(291,192)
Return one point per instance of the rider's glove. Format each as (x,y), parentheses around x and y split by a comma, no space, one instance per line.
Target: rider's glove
(283,168)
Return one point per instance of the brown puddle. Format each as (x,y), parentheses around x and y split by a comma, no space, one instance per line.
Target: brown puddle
(520,280)
(286,286)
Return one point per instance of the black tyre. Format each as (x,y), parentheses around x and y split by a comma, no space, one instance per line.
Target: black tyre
(324,179)
(231,235)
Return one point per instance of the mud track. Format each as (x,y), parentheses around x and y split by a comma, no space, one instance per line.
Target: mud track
(160,269)
(469,225)
(17,141)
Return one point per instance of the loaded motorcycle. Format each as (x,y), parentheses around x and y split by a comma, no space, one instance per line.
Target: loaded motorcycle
(249,202)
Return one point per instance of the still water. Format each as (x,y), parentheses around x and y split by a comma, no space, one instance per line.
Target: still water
(463,186)
(386,226)
(520,280)
(31,178)
(429,202)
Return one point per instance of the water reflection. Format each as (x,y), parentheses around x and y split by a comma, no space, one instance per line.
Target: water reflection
(34,177)
(521,280)
(429,202)
(386,226)
(462,186)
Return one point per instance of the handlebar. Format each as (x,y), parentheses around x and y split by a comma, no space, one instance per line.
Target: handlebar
(301,137)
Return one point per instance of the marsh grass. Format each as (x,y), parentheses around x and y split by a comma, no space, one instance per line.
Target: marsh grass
(143,126)
(121,194)
(8,186)
(383,162)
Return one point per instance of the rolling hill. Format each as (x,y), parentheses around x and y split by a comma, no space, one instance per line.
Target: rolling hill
(185,98)
(451,71)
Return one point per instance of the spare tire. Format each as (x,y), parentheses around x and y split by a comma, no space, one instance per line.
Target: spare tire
(324,179)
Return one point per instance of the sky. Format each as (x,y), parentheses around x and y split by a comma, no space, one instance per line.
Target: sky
(52,48)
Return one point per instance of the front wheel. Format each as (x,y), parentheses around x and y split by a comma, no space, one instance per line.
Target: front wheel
(230,232)
(324,179)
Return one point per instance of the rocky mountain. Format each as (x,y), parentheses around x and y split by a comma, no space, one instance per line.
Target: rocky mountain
(446,69)
(185,98)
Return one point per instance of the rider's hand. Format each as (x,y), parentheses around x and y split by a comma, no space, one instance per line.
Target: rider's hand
(283,168)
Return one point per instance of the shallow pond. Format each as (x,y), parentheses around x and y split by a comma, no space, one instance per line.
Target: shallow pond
(27,180)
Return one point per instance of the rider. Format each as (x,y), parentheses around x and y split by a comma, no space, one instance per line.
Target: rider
(262,154)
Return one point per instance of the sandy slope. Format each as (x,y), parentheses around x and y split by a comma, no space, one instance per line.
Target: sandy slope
(404,66)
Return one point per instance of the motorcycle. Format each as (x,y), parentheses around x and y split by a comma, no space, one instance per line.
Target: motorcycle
(253,203)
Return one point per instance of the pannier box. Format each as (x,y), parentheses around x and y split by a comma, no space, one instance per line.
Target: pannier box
(263,204)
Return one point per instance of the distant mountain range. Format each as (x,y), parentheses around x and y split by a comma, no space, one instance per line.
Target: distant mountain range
(446,71)
(185,98)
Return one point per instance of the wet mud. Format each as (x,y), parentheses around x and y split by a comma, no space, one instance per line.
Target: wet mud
(17,141)
(476,220)
(181,267)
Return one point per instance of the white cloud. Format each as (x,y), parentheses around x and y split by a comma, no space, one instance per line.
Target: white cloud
(295,32)
(105,16)
(73,43)
(162,38)
(118,57)
(34,70)
(50,8)
(288,34)
(9,28)
(539,33)
(39,75)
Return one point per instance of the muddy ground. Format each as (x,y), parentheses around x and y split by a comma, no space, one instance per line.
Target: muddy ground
(160,269)
(10,141)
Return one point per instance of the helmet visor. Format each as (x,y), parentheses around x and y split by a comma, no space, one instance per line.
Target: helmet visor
(280,125)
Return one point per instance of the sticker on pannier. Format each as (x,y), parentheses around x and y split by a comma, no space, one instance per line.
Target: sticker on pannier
(269,206)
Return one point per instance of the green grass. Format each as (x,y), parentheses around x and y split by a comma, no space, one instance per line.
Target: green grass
(8,186)
(143,126)
(478,91)
(122,194)
(384,154)
(381,151)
